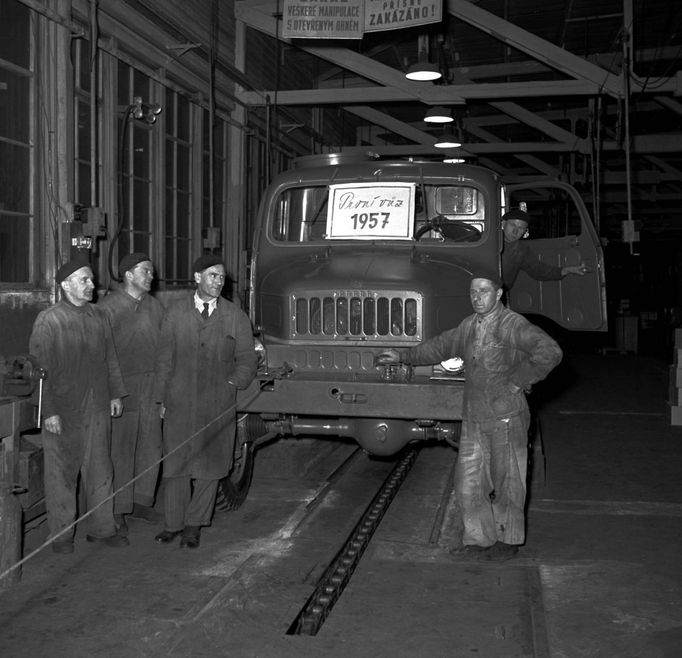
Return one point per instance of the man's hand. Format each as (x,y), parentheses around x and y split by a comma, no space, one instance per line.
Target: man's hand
(387,357)
(580,270)
(116,407)
(53,424)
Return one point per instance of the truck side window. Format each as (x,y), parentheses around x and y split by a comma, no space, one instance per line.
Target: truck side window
(554,213)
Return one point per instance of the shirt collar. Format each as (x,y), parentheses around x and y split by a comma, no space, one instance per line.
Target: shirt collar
(199,303)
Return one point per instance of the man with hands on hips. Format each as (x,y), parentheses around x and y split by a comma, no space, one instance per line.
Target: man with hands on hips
(504,355)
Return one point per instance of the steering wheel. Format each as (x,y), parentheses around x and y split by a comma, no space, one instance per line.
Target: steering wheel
(456,231)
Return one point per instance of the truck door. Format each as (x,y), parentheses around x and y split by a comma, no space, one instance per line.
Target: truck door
(562,234)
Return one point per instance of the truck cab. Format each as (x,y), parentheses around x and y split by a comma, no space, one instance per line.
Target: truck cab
(353,255)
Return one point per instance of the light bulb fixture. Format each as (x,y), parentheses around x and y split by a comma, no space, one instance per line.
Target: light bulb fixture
(146,111)
(438,115)
(454,160)
(447,141)
(423,71)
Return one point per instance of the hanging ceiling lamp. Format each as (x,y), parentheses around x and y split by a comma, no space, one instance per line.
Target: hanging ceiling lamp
(438,115)
(447,140)
(423,70)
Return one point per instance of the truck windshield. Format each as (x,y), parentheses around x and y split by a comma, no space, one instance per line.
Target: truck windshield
(449,213)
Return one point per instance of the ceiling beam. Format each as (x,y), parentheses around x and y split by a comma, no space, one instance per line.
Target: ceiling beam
(539,49)
(447,94)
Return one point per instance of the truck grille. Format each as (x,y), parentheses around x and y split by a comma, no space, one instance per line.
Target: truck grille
(358,314)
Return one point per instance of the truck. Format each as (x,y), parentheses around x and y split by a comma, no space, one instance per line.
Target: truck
(352,255)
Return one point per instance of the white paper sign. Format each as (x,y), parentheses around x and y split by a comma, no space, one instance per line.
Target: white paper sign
(371,211)
(393,14)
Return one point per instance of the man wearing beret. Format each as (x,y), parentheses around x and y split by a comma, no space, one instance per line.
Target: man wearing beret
(83,389)
(206,352)
(517,254)
(135,318)
(503,355)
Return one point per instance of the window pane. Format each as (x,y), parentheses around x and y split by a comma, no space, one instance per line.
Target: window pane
(83,133)
(183,167)
(14,248)
(140,219)
(14,33)
(14,116)
(183,119)
(142,138)
(141,243)
(124,96)
(14,178)
(183,215)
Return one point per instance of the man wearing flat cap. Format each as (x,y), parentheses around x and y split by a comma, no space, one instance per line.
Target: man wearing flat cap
(206,352)
(517,254)
(135,317)
(503,355)
(72,341)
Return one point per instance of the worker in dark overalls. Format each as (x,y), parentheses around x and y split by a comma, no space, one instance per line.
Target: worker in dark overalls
(504,355)
(72,341)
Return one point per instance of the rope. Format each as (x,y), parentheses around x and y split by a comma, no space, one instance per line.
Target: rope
(45,544)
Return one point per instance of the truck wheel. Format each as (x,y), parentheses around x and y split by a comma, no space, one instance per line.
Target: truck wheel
(233,489)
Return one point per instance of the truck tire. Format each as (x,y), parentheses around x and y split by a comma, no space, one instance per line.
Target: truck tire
(233,489)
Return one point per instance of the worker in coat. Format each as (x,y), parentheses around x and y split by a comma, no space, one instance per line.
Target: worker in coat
(504,355)
(83,389)
(135,317)
(206,352)
(517,254)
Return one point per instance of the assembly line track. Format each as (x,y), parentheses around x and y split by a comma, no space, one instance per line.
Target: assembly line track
(337,575)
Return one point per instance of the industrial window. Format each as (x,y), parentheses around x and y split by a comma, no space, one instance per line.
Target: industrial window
(135,153)
(553,210)
(214,179)
(16,142)
(179,248)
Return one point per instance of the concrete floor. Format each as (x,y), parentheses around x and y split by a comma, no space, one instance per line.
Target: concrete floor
(600,574)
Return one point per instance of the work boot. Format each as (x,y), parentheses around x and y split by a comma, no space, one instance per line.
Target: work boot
(191,536)
(121,525)
(473,551)
(146,513)
(500,552)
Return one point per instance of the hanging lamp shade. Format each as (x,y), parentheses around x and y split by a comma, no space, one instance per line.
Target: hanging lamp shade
(438,115)
(423,71)
(447,141)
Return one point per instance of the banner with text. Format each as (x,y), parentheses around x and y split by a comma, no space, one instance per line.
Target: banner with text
(394,14)
(350,19)
(323,19)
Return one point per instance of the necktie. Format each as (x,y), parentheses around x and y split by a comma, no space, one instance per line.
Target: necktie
(204,313)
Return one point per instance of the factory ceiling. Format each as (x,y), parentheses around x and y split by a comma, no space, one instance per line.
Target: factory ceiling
(537,89)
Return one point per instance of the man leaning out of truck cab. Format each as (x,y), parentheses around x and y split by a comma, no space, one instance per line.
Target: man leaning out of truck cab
(504,355)
(517,254)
